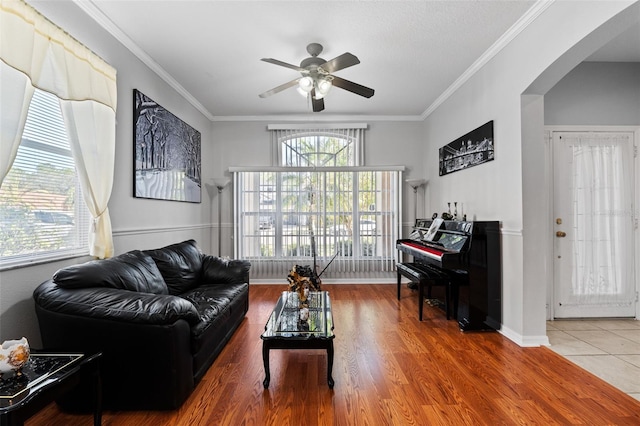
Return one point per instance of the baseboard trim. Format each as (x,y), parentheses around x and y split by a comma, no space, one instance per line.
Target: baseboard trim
(524,341)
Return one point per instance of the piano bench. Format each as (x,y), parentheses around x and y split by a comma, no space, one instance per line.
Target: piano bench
(428,277)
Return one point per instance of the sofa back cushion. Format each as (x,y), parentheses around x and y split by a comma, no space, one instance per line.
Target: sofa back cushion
(180,265)
(134,271)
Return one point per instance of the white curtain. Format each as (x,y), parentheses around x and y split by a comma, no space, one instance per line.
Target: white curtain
(602,213)
(57,63)
(15,95)
(90,131)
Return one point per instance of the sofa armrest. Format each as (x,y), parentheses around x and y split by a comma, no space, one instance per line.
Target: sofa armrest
(216,270)
(115,304)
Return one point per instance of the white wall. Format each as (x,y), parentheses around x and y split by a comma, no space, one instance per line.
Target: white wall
(501,189)
(596,93)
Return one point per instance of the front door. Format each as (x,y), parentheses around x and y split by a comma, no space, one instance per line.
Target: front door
(594,225)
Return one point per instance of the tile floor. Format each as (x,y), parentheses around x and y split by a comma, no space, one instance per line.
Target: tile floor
(608,348)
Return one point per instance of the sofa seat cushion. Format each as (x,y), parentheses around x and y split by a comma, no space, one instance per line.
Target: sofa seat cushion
(212,302)
(133,271)
(218,323)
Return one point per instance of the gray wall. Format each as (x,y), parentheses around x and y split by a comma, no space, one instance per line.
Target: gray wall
(596,93)
(533,62)
(247,144)
(140,223)
(490,191)
(136,223)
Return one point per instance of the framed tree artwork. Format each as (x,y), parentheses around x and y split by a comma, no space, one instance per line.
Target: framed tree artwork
(167,153)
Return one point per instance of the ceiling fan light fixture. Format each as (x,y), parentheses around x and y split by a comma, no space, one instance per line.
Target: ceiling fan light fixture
(305,84)
(323,87)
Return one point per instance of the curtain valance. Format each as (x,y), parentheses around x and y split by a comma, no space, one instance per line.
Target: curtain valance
(313,126)
(34,52)
(52,59)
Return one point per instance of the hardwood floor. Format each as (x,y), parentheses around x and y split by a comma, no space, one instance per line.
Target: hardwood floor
(389,369)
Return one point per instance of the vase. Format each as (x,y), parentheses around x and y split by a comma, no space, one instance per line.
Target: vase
(304,314)
(14,354)
(303,294)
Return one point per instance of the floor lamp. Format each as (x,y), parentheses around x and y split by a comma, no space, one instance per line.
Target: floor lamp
(220,184)
(415,184)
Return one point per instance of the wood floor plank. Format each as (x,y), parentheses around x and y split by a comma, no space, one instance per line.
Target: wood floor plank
(389,369)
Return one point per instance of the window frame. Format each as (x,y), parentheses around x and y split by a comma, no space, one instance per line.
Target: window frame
(273,259)
(256,215)
(45,135)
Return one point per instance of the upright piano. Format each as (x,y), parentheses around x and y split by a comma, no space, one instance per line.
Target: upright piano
(469,253)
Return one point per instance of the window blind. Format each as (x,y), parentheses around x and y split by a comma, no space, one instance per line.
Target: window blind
(41,208)
(354,216)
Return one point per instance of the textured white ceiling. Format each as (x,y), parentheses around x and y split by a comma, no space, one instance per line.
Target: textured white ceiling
(411,52)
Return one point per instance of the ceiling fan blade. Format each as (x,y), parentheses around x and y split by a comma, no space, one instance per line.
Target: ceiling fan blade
(352,87)
(341,62)
(318,104)
(279,88)
(283,64)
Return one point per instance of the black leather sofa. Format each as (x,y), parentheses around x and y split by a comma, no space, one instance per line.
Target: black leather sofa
(160,318)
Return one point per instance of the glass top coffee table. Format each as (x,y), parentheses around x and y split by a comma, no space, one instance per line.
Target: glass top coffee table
(44,378)
(285,329)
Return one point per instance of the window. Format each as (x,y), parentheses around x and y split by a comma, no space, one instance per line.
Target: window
(319,148)
(42,214)
(318,189)
(49,59)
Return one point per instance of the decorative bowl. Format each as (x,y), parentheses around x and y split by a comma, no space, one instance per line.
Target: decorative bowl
(14,354)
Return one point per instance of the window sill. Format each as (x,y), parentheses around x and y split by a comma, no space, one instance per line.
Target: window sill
(18,262)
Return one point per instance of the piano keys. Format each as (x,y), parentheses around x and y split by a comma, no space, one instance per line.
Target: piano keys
(469,253)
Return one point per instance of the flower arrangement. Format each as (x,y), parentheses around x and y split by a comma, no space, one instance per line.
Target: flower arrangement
(303,277)
(297,281)
(302,280)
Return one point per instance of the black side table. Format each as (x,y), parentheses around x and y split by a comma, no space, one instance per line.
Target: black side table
(46,377)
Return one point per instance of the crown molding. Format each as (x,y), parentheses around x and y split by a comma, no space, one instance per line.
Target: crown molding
(318,119)
(506,38)
(94,12)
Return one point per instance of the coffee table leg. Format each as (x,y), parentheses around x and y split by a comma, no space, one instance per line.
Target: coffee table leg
(330,364)
(265,360)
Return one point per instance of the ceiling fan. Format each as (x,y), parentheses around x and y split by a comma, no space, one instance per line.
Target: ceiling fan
(317,76)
